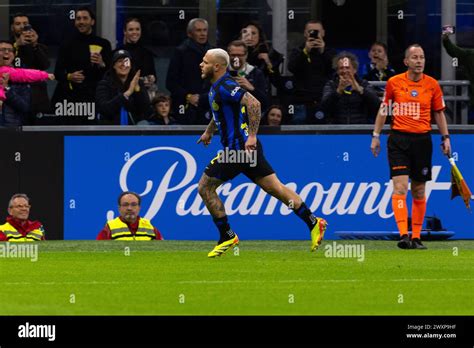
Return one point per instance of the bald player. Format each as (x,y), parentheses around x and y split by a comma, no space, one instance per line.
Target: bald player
(236,115)
(410,99)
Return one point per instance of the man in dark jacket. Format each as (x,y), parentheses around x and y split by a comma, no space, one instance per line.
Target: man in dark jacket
(311,66)
(188,91)
(31,54)
(347,99)
(82,62)
(121,97)
(247,76)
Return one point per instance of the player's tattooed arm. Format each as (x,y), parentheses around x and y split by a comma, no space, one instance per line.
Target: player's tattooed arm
(212,127)
(253,111)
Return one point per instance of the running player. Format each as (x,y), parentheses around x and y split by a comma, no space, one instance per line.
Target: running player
(236,114)
(411,98)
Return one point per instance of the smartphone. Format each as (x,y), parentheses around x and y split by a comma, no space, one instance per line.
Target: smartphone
(314,34)
(27,27)
(449,29)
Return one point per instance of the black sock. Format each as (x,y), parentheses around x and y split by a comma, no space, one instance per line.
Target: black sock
(224,229)
(306,215)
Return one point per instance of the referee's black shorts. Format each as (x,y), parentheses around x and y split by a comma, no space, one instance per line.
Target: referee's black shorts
(410,154)
(254,167)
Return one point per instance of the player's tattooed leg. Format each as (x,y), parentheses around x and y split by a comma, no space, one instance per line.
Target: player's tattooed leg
(207,190)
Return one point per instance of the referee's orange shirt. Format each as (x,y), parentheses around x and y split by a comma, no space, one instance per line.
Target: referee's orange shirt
(410,103)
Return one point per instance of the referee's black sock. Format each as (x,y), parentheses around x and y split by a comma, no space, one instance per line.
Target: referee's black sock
(224,229)
(306,215)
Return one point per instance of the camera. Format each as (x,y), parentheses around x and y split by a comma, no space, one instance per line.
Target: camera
(314,34)
(449,29)
(27,27)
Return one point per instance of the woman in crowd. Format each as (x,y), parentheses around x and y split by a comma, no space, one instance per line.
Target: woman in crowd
(142,57)
(261,54)
(121,97)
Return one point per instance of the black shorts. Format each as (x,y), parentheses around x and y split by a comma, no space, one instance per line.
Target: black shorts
(410,154)
(227,165)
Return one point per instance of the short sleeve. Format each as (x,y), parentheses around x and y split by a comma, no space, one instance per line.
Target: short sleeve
(388,95)
(232,92)
(437,102)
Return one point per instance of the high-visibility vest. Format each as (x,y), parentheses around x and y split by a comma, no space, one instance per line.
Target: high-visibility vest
(120,231)
(13,235)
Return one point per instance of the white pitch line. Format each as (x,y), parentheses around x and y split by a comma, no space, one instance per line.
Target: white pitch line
(244,281)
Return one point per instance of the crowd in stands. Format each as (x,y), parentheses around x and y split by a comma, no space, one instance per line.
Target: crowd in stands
(325,87)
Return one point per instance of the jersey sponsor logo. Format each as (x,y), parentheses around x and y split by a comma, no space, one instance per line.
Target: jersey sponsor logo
(234,92)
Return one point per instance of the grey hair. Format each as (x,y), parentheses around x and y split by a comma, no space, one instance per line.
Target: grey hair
(18,195)
(344,54)
(193,21)
(221,54)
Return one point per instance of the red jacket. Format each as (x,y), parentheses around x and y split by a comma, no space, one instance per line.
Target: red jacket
(105,233)
(22,227)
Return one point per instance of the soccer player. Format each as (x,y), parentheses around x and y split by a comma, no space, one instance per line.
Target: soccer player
(236,114)
(411,98)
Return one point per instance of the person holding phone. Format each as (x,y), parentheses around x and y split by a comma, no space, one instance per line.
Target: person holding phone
(31,54)
(311,65)
(466,60)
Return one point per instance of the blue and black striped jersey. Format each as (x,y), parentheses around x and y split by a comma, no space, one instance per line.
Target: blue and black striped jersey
(229,115)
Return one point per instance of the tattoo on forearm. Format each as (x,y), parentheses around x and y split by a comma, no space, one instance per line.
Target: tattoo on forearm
(211,128)
(254,112)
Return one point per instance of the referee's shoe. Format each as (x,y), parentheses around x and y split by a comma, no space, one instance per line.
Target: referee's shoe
(221,248)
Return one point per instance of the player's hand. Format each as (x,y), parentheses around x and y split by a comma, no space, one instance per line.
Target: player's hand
(205,139)
(375,146)
(446,147)
(251,143)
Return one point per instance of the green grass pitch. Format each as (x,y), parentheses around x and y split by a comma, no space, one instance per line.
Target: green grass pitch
(262,278)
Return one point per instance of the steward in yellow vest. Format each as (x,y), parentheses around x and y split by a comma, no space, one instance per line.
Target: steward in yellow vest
(141,229)
(14,230)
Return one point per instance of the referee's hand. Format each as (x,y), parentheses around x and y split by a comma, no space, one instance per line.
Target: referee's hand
(375,146)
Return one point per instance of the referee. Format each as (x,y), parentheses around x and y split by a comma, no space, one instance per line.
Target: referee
(411,99)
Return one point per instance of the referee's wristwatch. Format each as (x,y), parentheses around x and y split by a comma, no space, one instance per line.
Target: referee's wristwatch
(444,137)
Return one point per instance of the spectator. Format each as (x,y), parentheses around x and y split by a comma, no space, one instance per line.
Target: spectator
(261,54)
(129,225)
(15,93)
(247,76)
(121,96)
(161,117)
(379,68)
(274,116)
(184,75)
(141,56)
(347,99)
(466,60)
(18,228)
(32,55)
(82,62)
(311,65)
